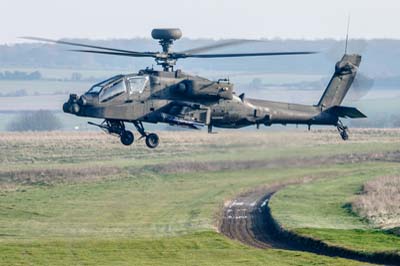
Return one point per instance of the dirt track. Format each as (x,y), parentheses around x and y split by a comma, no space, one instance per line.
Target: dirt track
(247,218)
(243,219)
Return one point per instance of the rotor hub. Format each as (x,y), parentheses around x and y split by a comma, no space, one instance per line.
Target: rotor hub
(166,37)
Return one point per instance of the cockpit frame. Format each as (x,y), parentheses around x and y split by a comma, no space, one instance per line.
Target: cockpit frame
(115,86)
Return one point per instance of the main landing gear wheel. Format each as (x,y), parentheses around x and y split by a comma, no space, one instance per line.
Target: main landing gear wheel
(127,137)
(152,140)
(343,130)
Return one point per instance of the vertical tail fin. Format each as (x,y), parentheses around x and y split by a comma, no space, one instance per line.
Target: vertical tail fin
(345,72)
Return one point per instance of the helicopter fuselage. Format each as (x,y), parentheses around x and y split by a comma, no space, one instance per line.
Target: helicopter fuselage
(181,99)
(177,98)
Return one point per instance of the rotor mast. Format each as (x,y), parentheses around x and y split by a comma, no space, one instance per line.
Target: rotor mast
(166,37)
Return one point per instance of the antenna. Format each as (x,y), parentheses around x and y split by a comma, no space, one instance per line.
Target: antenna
(347,34)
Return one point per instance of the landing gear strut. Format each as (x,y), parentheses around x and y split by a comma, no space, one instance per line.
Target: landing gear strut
(343,130)
(152,139)
(117,127)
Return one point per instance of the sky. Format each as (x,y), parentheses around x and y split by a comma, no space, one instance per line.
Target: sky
(217,19)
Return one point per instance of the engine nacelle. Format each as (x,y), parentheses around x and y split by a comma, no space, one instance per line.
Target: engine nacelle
(204,89)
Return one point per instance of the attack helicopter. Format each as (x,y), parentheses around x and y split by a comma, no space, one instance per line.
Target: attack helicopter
(178,98)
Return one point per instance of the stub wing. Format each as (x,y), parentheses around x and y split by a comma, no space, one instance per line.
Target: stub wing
(184,114)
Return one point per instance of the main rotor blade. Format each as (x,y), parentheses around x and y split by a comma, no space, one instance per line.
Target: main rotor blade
(242,54)
(116,53)
(84,45)
(216,45)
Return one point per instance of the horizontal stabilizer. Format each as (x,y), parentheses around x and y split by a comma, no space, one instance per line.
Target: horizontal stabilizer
(346,112)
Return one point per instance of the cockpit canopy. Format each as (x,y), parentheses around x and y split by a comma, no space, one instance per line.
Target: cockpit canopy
(118,85)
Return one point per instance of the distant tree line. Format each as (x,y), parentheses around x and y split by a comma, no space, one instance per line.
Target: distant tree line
(380,56)
(377,121)
(17,93)
(37,75)
(42,120)
(20,75)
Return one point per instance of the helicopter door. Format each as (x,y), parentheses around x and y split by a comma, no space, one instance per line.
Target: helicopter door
(136,86)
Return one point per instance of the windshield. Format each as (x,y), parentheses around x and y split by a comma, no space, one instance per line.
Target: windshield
(112,89)
(97,87)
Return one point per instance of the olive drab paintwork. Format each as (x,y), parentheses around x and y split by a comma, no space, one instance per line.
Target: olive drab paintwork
(180,99)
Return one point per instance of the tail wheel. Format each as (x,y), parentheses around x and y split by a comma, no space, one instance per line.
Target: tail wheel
(127,137)
(152,140)
(343,130)
(344,135)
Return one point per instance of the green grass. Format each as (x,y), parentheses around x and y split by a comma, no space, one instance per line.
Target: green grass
(144,205)
(144,217)
(121,222)
(205,248)
(321,210)
(364,240)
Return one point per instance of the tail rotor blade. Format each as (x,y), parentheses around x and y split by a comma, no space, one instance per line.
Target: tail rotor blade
(361,86)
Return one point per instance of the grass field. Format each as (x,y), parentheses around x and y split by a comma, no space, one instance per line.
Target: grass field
(84,199)
(322,210)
